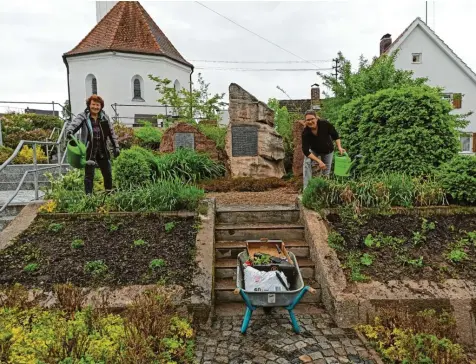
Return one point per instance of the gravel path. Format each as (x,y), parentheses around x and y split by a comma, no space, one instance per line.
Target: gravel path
(282,196)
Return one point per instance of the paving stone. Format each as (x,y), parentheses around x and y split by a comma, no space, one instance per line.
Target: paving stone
(221,351)
(271,339)
(316,355)
(259,360)
(351,350)
(305,359)
(328,352)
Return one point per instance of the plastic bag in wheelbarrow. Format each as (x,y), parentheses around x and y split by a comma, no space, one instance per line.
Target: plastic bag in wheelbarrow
(258,281)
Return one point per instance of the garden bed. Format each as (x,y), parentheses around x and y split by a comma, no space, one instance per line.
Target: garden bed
(396,246)
(356,290)
(101,250)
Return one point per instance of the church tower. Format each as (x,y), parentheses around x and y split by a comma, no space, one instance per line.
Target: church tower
(102,8)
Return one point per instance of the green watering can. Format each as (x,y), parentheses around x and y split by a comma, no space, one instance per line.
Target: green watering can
(343,164)
(76,153)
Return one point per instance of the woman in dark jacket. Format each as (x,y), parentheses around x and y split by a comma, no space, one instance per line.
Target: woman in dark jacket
(318,139)
(96,128)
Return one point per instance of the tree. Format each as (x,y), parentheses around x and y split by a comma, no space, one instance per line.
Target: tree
(407,129)
(66,112)
(369,78)
(189,105)
(283,121)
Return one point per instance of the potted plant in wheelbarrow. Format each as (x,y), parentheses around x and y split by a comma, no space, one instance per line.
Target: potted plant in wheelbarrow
(268,276)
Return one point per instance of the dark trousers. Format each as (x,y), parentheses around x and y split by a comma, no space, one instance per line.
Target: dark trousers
(105,167)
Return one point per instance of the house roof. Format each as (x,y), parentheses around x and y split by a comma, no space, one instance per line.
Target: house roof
(300,106)
(443,46)
(128,28)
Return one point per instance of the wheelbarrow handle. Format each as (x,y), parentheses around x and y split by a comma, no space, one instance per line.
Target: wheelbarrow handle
(236,291)
(312,290)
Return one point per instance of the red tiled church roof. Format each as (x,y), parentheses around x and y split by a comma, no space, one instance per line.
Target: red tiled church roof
(127,27)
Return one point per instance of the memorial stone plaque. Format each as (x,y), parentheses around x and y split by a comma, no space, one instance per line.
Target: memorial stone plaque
(244,141)
(184,140)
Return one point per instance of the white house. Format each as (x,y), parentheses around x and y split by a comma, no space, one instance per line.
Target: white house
(424,53)
(115,59)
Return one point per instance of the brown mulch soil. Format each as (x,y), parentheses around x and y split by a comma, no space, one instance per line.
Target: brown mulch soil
(387,261)
(110,239)
(281,196)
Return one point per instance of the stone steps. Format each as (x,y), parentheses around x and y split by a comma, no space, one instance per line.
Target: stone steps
(9,186)
(237,224)
(261,214)
(256,231)
(231,249)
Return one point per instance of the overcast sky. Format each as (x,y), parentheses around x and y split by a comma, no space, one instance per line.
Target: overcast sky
(35,34)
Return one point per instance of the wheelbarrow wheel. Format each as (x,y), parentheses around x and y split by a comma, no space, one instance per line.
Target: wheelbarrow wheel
(268,310)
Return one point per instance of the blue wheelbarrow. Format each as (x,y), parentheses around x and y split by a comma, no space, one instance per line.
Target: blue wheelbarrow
(268,299)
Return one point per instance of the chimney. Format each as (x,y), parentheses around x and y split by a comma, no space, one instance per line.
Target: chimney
(102,8)
(315,97)
(385,43)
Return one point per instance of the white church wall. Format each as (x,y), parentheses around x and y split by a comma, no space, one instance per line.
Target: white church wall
(115,73)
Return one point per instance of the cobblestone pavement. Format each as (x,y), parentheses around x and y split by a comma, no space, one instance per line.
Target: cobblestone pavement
(270,339)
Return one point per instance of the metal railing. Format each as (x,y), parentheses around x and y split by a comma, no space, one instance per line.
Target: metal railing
(35,169)
(58,144)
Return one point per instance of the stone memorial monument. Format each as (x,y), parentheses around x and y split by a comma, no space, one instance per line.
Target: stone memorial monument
(253,146)
(185,135)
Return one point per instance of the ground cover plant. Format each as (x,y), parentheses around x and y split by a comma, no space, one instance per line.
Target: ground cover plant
(380,190)
(102,250)
(162,195)
(401,336)
(148,331)
(383,247)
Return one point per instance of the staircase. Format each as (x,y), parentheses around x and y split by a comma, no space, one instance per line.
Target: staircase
(12,174)
(235,225)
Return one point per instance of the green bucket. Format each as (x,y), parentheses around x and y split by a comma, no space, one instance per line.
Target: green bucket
(76,153)
(342,164)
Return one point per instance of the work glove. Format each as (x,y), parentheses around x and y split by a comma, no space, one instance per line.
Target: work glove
(69,135)
(91,163)
(116,152)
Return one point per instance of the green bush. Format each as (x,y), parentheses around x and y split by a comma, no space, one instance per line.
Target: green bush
(408,130)
(215,133)
(132,168)
(458,178)
(188,165)
(148,136)
(12,139)
(382,191)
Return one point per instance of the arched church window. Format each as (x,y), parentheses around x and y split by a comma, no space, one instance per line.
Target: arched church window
(137,88)
(91,85)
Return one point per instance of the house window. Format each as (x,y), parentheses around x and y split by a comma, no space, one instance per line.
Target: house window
(137,88)
(447,97)
(177,85)
(416,58)
(91,85)
(457,101)
(465,143)
(137,93)
(94,86)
